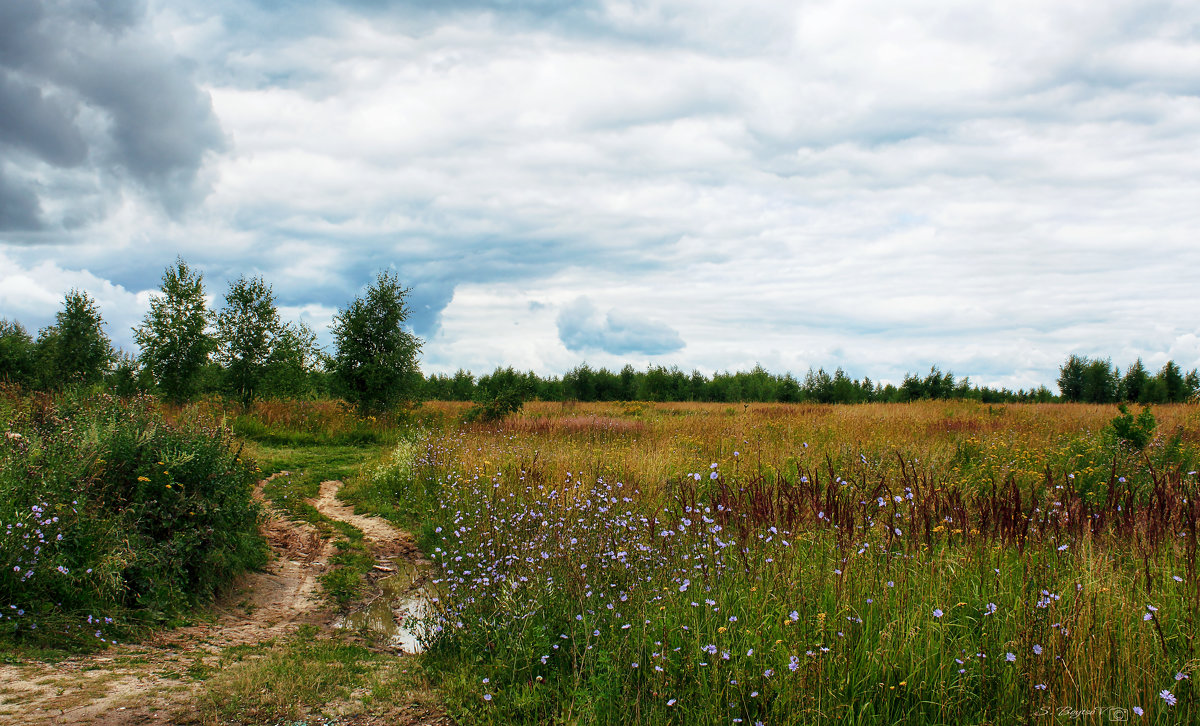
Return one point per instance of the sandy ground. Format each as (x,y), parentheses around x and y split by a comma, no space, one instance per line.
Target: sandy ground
(149,681)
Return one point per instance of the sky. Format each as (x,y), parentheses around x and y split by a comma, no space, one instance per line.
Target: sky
(880,185)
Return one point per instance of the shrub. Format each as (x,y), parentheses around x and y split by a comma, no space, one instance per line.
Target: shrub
(106,508)
(1136,432)
(495,406)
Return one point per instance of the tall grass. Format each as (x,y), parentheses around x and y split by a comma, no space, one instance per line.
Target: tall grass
(110,516)
(937,563)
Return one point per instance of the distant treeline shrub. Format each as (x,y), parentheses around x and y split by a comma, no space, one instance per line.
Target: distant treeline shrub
(111,515)
(659,383)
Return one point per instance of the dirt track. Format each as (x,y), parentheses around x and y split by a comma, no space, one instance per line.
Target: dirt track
(149,682)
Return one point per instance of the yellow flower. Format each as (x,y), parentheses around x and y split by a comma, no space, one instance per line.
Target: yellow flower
(168,486)
(143,478)
(903,683)
(721,629)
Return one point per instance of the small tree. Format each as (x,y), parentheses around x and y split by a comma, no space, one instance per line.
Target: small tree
(374,364)
(18,356)
(173,337)
(75,349)
(294,356)
(247,329)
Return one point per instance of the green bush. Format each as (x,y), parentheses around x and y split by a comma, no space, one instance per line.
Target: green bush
(110,514)
(1135,431)
(496,406)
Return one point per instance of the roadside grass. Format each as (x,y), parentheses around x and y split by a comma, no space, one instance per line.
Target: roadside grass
(311,676)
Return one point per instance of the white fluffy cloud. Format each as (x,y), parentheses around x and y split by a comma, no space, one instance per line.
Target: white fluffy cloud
(878,185)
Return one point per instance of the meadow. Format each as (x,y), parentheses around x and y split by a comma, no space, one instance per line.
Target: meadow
(629,562)
(930,562)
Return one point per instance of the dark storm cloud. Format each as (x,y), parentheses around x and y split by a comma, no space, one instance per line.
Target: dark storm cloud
(84,86)
(40,125)
(582,328)
(19,208)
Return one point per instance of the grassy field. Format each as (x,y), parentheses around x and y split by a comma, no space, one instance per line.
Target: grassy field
(923,563)
(935,562)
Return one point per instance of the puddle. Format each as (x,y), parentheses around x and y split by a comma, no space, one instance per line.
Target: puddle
(397,612)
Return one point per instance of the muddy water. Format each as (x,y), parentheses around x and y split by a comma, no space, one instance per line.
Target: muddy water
(396,614)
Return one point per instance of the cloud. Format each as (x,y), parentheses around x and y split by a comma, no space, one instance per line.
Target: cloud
(582,328)
(19,207)
(988,190)
(91,96)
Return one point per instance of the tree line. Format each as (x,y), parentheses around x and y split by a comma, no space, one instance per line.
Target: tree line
(660,383)
(244,351)
(1096,380)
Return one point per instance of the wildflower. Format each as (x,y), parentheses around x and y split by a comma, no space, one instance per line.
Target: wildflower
(487,696)
(1040,686)
(1167,696)
(1010,657)
(671,702)
(1037,649)
(1176,578)
(1181,676)
(1137,710)
(937,612)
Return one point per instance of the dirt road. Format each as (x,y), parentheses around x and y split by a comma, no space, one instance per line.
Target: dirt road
(157,680)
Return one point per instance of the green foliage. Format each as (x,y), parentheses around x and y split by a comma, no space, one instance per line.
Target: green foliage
(130,517)
(173,338)
(391,488)
(502,392)
(75,350)
(291,370)
(491,407)
(127,378)
(18,355)
(1137,432)
(375,362)
(1087,380)
(247,328)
